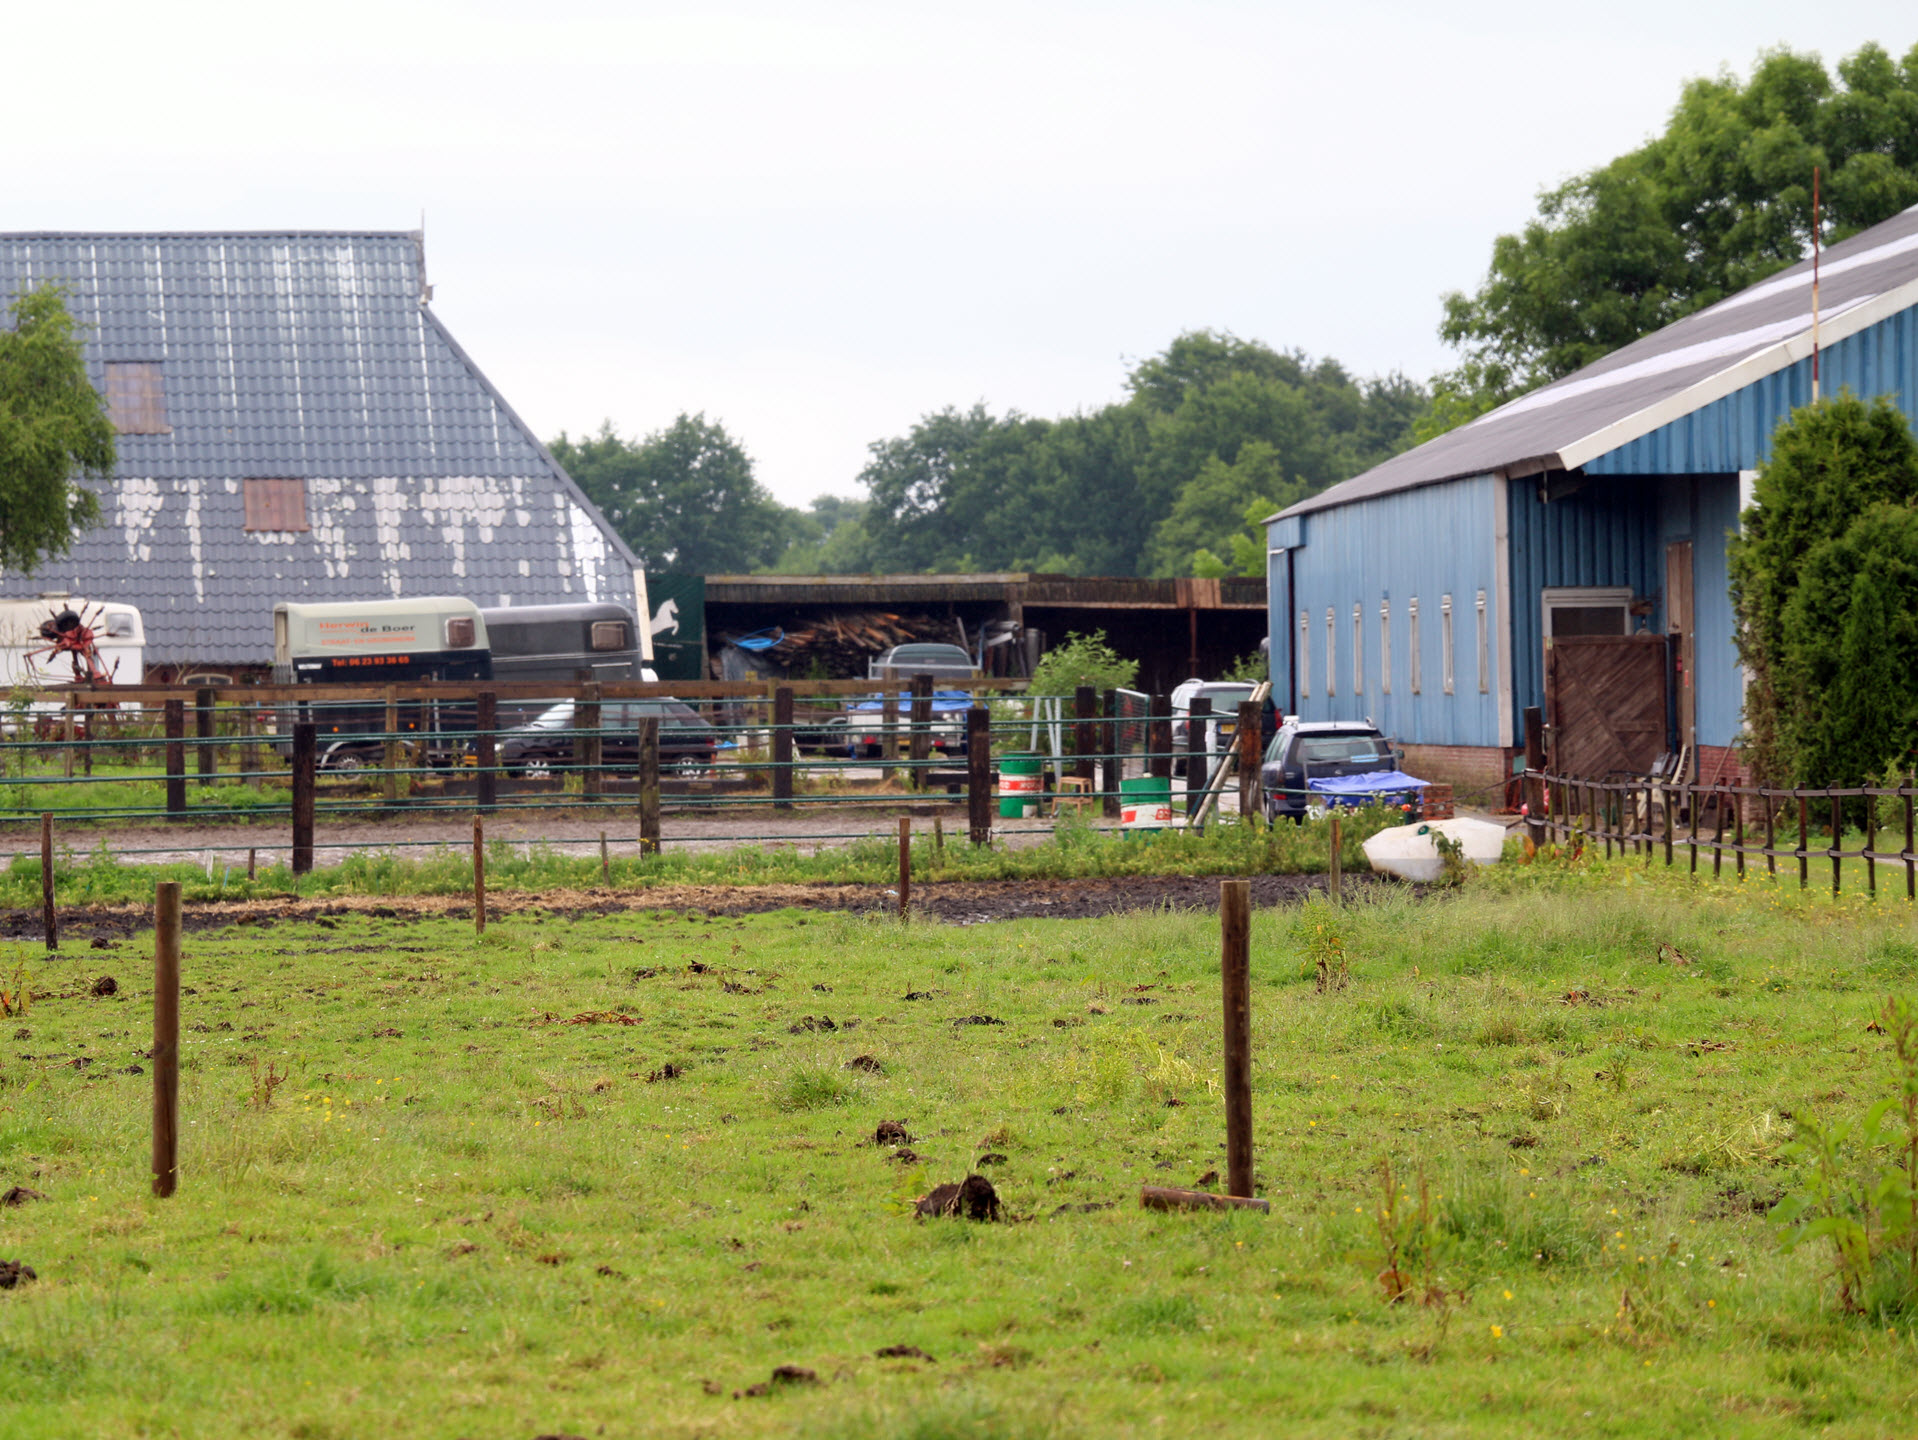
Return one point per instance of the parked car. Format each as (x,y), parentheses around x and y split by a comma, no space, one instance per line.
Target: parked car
(940,661)
(1225,697)
(860,731)
(687,743)
(1309,749)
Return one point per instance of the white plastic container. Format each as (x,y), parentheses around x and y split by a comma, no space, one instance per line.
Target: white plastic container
(1407,851)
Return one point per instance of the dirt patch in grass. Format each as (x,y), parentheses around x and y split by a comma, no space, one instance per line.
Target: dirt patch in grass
(962,902)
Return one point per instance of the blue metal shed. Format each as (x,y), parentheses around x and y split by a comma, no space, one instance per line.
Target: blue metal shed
(1425,592)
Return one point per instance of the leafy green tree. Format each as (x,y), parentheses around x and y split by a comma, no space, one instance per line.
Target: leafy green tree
(829,539)
(53,431)
(1721,199)
(1825,587)
(684,498)
(1211,425)
(1083,660)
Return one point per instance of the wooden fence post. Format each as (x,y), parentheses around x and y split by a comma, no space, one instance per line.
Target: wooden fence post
(783,747)
(919,743)
(205,759)
(479,875)
(1771,833)
(1911,873)
(1837,840)
(1738,831)
(1871,844)
(486,779)
(1335,872)
(165,1054)
(905,867)
(305,753)
(888,724)
(175,759)
(605,861)
(1235,973)
(592,745)
(979,774)
(1534,783)
(1246,737)
(49,918)
(1085,732)
(390,749)
(649,785)
(1158,739)
(1114,760)
(1804,843)
(66,727)
(1198,768)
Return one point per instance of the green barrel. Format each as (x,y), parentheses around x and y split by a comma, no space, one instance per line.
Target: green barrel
(1145,804)
(1020,783)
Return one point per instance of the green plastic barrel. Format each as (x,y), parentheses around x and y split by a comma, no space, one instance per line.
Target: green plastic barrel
(1020,783)
(1145,804)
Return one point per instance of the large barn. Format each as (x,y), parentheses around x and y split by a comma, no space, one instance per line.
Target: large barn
(1568,550)
(296,424)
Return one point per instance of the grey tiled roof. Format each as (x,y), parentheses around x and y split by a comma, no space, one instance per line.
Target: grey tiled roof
(309,355)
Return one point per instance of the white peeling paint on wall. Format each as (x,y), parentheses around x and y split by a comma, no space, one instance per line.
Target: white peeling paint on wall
(389,515)
(137,503)
(328,504)
(590,550)
(193,546)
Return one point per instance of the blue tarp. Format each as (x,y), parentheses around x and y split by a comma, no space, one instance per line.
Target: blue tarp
(1357,789)
(944,702)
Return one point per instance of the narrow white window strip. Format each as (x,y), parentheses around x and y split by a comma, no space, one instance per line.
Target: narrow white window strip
(1445,642)
(1412,641)
(1385,647)
(1358,649)
(1331,652)
(1484,651)
(1305,655)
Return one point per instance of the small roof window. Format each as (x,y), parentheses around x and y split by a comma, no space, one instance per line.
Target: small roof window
(136,398)
(275,504)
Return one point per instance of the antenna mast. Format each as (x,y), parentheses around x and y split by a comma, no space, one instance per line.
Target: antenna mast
(1816,226)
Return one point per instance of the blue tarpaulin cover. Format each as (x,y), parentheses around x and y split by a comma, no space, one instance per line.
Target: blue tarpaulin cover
(943,702)
(1355,789)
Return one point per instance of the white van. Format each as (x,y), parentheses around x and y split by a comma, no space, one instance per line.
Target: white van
(27,653)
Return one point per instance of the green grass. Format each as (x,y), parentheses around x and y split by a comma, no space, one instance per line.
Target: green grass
(1074,850)
(493,1224)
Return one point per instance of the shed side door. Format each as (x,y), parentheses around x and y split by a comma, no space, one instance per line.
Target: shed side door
(1605,698)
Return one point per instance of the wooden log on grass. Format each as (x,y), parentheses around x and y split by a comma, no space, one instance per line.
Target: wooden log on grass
(1166,1197)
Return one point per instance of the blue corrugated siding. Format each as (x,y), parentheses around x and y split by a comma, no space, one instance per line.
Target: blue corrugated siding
(1605,534)
(1278,569)
(1425,543)
(1735,433)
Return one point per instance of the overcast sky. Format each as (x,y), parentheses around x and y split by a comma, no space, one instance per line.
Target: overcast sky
(816,222)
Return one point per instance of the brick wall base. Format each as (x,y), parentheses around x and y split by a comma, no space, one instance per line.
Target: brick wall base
(1476,773)
(1721,765)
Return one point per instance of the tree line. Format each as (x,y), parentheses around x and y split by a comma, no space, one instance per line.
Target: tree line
(1216,432)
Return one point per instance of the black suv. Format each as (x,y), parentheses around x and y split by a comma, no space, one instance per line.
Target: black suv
(1308,749)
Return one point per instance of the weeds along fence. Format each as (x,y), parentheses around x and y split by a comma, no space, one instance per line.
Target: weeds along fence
(1808,829)
(306,755)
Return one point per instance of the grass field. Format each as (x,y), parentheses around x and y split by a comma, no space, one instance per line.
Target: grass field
(481,1207)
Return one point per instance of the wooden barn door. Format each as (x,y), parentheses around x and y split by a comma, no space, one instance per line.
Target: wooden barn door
(1605,699)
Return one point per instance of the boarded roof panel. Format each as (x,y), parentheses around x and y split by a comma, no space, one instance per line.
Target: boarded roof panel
(136,398)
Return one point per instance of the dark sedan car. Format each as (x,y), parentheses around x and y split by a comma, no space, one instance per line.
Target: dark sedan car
(1311,749)
(687,743)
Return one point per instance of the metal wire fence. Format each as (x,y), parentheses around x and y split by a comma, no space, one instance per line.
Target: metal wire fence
(307,756)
